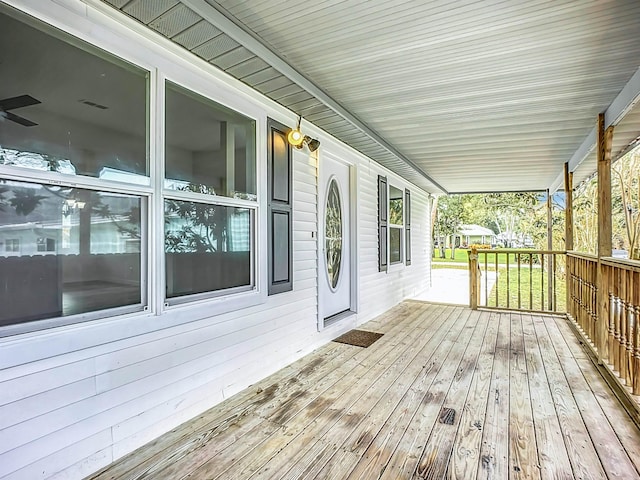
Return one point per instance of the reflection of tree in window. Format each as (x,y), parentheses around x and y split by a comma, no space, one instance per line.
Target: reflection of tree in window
(194,227)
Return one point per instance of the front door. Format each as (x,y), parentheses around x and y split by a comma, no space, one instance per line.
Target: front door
(335,236)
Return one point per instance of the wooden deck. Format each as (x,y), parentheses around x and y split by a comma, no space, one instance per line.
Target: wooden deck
(446,393)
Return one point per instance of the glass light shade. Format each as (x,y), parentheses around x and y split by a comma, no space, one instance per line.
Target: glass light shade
(295,137)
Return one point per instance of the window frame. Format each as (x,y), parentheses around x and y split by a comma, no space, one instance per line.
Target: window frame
(194,86)
(399,227)
(385,226)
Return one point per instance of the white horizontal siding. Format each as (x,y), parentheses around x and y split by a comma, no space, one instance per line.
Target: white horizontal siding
(379,291)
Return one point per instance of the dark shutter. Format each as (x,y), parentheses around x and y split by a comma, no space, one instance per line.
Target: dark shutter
(407,225)
(382,223)
(279,208)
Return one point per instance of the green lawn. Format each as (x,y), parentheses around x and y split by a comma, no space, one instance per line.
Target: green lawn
(533,290)
(461,256)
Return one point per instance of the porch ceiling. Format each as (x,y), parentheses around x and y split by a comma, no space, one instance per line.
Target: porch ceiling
(467,96)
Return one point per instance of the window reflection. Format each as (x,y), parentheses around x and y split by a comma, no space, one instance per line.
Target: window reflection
(395,206)
(69,107)
(395,245)
(65,251)
(208,247)
(209,149)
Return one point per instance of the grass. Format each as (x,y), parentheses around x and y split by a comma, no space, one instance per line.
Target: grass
(461,256)
(533,290)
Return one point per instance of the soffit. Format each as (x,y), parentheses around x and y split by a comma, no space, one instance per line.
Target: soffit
(484,95)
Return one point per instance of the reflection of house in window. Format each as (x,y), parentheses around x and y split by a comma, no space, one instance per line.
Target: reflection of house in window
(46,244)
(12,245)
(239,231)
(132,245)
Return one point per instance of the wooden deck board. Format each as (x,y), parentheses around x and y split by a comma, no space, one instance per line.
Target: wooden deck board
(582,454)
(494,453)
(528,405)
(523,453)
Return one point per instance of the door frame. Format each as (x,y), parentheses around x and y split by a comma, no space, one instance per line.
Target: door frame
(353,239)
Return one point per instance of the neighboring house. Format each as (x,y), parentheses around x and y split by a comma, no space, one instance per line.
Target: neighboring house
(162,246)
(475,234)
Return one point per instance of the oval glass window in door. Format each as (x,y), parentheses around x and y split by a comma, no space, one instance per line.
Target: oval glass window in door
(333,233)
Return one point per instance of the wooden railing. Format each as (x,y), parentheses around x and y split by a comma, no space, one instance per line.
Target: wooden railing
(526,280)
(582,273)
(622,283)
(605,304)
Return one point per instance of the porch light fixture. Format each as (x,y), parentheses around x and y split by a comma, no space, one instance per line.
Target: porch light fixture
(295,137)
(312,143)
(298,140)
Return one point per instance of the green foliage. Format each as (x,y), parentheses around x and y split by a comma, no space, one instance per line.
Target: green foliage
(201,228)
(395,212)
(452,213)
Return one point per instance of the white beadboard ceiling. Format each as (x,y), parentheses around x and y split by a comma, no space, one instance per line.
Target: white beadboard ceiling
(456,96)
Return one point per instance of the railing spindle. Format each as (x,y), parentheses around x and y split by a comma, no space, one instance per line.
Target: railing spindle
(497,282)
(486,280)
(554,307)
(531,281)
(628,354)
(542,282)
(636,335)
(519,286)
(609,274)
(508,281)
(615,353)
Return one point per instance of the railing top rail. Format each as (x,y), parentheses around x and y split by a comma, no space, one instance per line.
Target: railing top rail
(583,255)
(520,251)
(623,263)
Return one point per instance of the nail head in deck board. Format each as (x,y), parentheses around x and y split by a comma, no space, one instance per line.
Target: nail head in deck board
(359,338)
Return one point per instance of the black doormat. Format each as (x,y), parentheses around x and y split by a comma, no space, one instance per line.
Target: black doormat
(359,338)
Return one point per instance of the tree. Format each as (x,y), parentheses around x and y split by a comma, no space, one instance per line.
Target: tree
(626,183)
(451,214)
(504,213)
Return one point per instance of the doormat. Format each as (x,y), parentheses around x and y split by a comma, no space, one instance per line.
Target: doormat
(359,338)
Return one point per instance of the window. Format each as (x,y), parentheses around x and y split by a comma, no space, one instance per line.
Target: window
(280,201)
(93,271)
(12,245)
(74,177)
(210,197)
(210,149)
(46,244)
(394,225)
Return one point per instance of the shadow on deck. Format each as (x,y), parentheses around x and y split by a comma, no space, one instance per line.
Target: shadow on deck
(445,392)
